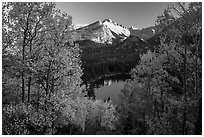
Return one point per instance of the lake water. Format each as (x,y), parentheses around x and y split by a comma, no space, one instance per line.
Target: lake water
(110,89)
(106,79)
(108,86)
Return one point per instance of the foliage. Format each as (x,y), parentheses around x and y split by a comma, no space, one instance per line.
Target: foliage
(52,117)
(102,115)
(42,87)
(14,120)
(165,88)
(150,98)
(41,62)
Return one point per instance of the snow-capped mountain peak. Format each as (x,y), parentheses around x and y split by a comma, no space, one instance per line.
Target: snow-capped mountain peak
(105,31)
(118,29)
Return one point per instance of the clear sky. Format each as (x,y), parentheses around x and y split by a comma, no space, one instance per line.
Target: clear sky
(137,14)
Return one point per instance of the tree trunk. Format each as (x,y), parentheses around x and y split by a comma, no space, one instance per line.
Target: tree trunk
(70,130)
(23,55)
(184,87)
(198,124)
(23,87)
(198,128)
(23,62)
(29,86)
(47,85)
(184,121)
(52,86)
(48,79)
(30,78)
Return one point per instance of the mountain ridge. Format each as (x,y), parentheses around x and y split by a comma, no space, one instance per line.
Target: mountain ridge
(109,32)
(105,31)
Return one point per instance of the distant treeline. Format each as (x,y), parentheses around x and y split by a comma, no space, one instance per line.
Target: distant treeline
(92,71)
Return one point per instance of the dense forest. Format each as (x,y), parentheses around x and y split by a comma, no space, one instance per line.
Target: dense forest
(43,92)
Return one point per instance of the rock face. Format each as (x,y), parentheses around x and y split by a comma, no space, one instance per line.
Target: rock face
(106,31)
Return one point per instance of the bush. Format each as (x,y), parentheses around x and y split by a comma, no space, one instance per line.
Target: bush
(54,116)
(14,119)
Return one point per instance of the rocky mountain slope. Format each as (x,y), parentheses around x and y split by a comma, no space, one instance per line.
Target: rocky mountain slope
(105,43)
(106,31)
(111,33)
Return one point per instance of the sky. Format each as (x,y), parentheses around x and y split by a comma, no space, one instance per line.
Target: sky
(137,14)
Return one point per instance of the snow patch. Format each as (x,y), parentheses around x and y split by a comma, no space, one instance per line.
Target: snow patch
(80,26)
(133,28)
(142,39)
(153,31)
(117,29)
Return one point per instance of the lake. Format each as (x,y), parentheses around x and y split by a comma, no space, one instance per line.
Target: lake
(108,86)
(107,79)
(110,90)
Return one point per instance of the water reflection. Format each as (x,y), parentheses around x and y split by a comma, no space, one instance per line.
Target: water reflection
(106,79)
(110,92)
(107,87)
(107,82)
